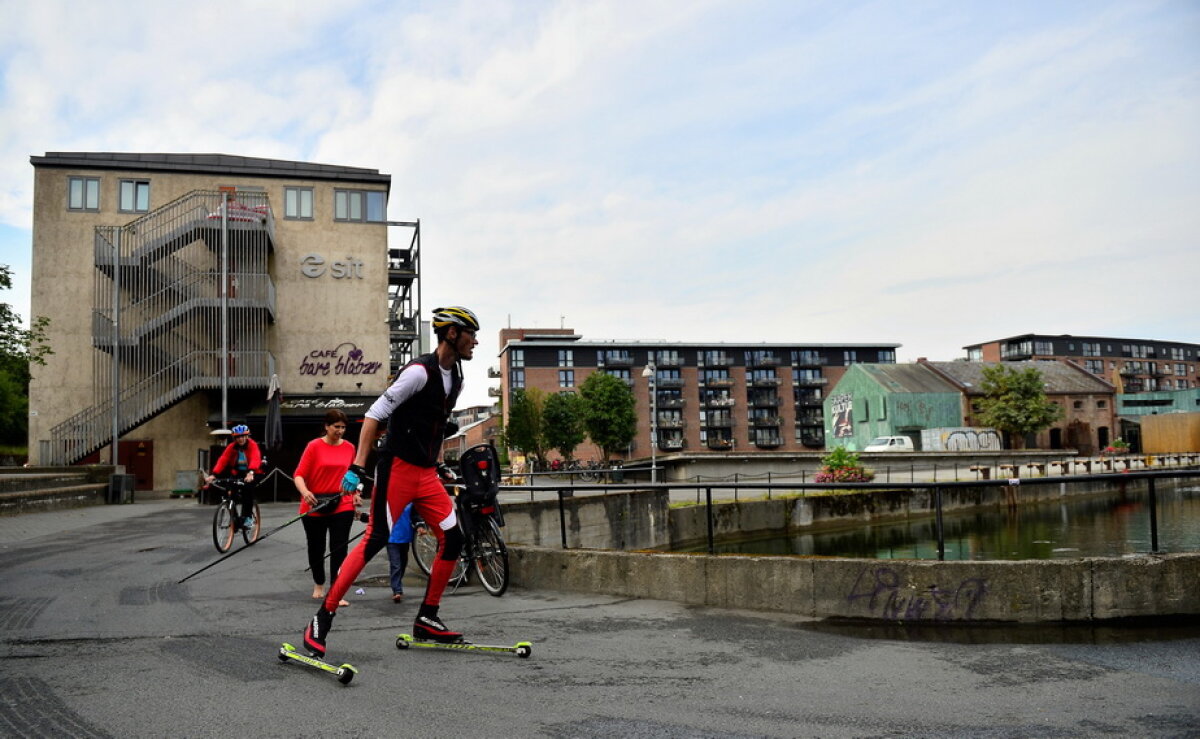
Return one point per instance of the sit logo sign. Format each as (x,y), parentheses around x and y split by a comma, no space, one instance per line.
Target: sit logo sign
(314,265)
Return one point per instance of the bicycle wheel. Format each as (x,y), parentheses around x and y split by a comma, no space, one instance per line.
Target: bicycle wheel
(424,551)
(250,535)
(223,527)
(491,558)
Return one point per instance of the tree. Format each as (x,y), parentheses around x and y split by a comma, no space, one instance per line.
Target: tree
(563,423)
(525,430)
(19,348)
(1014,401)
(608,413)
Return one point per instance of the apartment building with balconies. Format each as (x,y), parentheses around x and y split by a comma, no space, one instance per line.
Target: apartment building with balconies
(178,285)
(706,397)
(1131,365)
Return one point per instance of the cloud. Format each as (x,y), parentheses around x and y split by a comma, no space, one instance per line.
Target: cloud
(929,174)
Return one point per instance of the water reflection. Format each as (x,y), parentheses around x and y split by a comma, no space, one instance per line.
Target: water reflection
(1110,526)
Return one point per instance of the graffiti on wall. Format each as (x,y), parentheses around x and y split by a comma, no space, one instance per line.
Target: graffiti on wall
(971,440)
(841,406)
(887,596)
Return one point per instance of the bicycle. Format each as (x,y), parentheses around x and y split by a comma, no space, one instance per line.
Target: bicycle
(478,511)
(227,519)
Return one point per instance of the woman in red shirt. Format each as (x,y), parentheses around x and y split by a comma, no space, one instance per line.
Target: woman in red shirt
(330,512)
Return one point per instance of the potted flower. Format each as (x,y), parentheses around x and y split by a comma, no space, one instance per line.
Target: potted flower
(1118,446)
(842,465)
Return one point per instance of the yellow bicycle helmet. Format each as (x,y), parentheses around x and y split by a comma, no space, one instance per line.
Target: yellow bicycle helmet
(454,315)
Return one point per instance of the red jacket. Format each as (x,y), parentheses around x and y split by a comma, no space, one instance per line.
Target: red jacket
(229,458)
(322,466)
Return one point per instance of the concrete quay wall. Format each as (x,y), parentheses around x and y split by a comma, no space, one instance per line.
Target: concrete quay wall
(1089,589)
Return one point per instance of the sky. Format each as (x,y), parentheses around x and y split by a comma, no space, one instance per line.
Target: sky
(933,174)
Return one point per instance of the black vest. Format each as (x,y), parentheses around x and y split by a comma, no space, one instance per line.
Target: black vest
(416,429)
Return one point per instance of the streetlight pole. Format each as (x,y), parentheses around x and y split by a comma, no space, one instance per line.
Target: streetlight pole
(652,386)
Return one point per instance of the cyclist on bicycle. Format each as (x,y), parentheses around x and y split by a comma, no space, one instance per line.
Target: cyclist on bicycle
(414,411)
(241,459)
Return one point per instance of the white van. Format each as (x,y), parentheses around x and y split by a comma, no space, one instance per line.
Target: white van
(890,444)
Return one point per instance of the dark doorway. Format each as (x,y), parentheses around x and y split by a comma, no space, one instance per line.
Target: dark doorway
(1056,439)
(1102,436)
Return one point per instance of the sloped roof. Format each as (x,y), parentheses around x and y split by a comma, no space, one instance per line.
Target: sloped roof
(908,378)
(208,164)
(1059,377)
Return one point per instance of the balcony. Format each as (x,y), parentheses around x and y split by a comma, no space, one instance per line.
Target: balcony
(671,403)
(719,402)
(771,442)
(670,445)
(669,383)
(767,421)
(718,422)
(717,382)
(493,373)
(720,445)
(808,360)
(809,420)
(493,392)
(614,362)
(809,402)
(764,361)
(765,402)
(812,440)
(670,423)
(810,381)
(668,362)
(766,382)
(714,362)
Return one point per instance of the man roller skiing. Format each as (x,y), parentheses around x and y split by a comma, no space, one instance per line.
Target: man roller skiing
(414,412)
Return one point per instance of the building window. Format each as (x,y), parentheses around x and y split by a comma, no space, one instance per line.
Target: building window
(135,196)
(1078,404)
(807,357)
(517,358)
(367,206)
(516,378)
(566,378)
(667,358)
(1091,349)
(1101,403)
(621,373)
(849,357)
(887,356)
(1095,366)
(975,354)
(298,203)
(1180,370)
(1043,347)
(83,193)
(566,357)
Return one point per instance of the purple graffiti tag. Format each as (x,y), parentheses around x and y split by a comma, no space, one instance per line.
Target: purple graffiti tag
(886,595)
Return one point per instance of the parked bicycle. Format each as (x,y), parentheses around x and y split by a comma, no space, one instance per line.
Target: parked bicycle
(478,510)
(227,520)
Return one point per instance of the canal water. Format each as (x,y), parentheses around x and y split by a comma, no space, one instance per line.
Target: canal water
(1097,526)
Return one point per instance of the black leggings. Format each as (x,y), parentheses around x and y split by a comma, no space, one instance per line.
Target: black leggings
(315,528)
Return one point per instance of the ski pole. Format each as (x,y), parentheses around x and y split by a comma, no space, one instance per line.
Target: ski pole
(273,531)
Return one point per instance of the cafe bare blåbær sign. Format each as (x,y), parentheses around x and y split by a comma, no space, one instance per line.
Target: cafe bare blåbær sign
(343,359)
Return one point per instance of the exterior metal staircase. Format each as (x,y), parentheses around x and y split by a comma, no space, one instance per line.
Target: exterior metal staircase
(182,303)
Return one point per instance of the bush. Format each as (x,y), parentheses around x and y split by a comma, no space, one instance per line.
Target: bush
(842,465)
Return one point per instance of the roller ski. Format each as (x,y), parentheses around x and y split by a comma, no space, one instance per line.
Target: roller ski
(521,649)
(344,673)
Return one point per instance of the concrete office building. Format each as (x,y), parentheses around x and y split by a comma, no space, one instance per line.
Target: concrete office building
(1131,365)
(710,398)
(179,285)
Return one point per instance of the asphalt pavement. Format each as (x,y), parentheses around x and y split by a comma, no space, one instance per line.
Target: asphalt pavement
(101,640)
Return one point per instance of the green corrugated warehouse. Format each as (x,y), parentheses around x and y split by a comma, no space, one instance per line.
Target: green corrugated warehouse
(889,400)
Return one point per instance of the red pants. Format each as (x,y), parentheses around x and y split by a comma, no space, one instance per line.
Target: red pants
(398,483)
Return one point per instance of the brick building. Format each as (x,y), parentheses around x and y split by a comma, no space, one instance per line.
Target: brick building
(709,397)
(1131,365)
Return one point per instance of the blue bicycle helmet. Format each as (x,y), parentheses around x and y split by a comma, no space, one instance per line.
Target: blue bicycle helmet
(241,430)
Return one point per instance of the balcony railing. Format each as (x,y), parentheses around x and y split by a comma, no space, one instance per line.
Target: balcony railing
(671,403)
(766,382)
(720,422)
(670,445)
(769,442)
(714,362)
(765,402)
(670,423)
(767,420)
(764,362)
(809,420)
(668,362)
(717,382)
(810,381)
(809,402)
(493,373)
(615,362)
(719,403)
(719,444)
(670,383)
(807,361)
